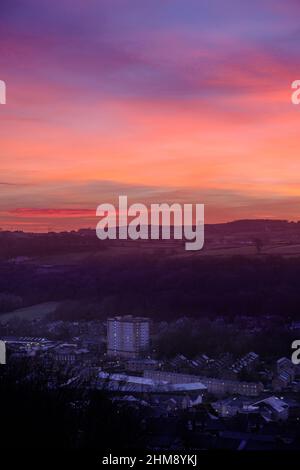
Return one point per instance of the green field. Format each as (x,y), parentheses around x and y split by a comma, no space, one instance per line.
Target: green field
(30,313)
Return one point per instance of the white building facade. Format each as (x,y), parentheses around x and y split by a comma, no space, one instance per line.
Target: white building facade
(128,336)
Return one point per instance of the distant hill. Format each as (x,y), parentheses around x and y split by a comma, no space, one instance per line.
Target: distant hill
(14,245)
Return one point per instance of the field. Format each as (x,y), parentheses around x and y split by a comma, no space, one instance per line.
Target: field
(30,313)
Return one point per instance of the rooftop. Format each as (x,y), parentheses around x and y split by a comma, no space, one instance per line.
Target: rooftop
(128,318)
(123,382)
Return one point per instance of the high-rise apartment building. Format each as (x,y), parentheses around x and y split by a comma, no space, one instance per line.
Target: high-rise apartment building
(128,336)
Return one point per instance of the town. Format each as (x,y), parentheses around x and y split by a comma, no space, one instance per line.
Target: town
(207,401)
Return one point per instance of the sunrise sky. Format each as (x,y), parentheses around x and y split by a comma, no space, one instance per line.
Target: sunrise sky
(162,100)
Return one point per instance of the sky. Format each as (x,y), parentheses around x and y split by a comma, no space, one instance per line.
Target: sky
(161,100)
